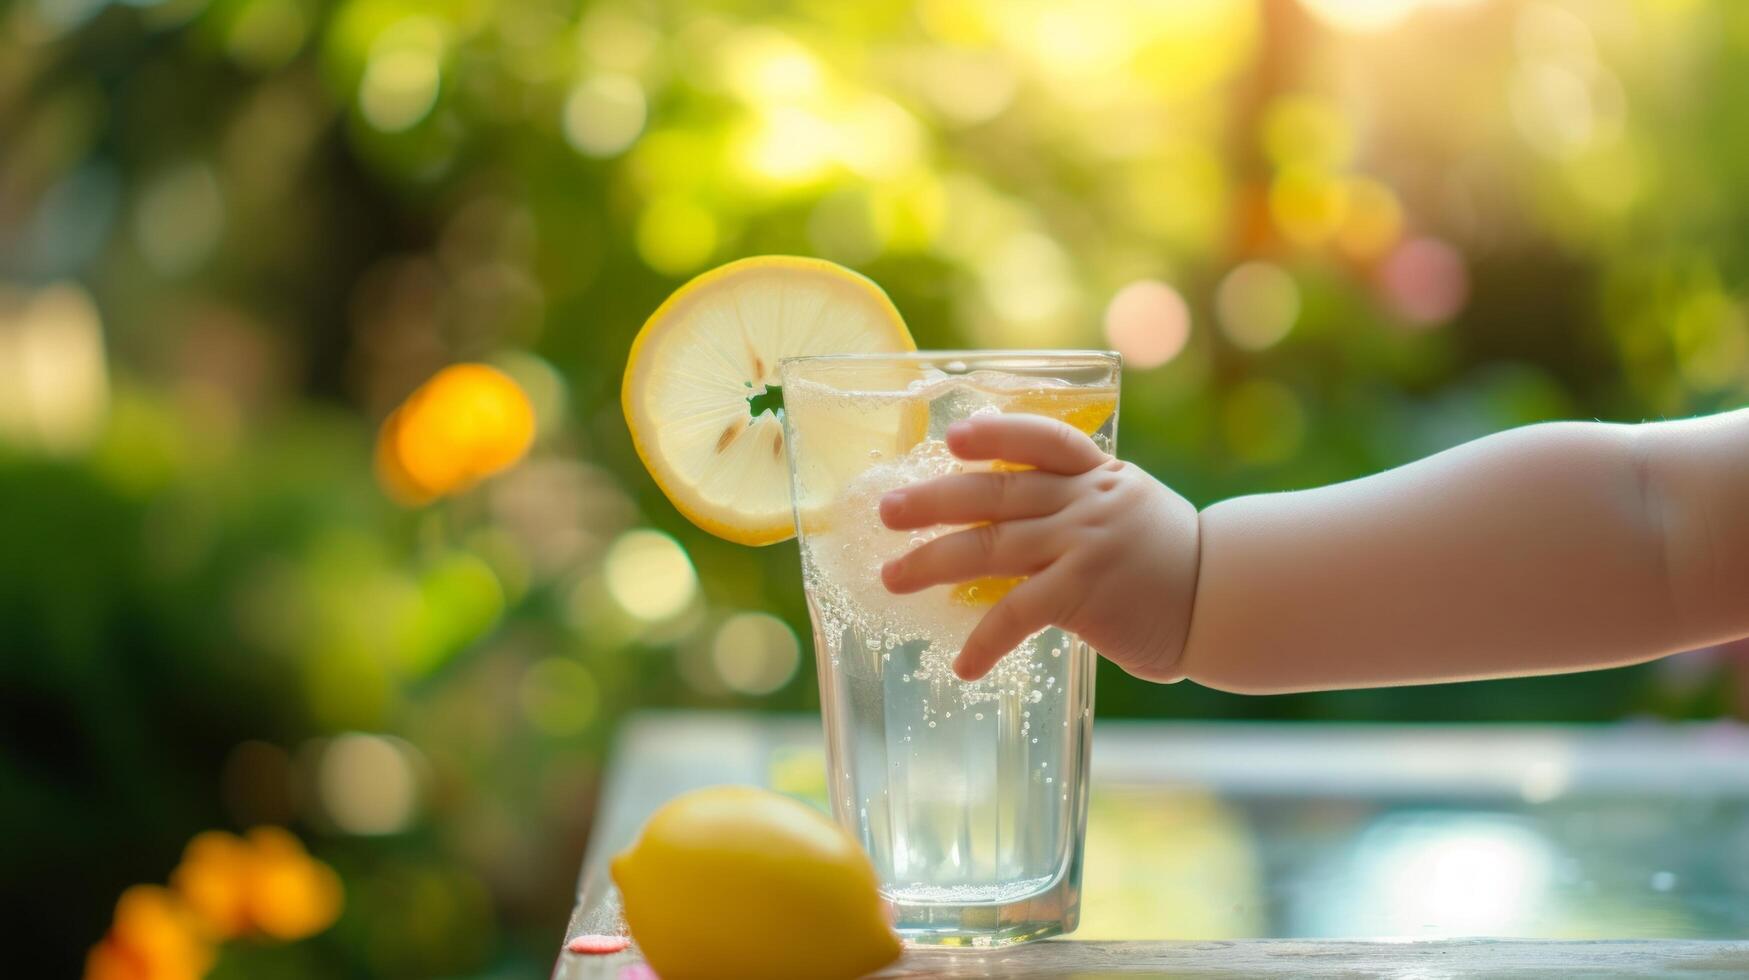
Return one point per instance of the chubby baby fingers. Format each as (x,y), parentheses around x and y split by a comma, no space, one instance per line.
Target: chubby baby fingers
(968,498)
(1031,440)
(1033,605)
(1007,548)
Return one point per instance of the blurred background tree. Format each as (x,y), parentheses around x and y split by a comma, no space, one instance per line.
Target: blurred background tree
(1328,235)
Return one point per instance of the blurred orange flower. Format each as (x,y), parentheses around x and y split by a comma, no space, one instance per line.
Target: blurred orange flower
(213,880)
(266,884)
(293,895)
(153,937)
(466,423)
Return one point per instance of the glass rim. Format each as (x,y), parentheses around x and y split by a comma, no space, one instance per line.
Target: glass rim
(1072,356)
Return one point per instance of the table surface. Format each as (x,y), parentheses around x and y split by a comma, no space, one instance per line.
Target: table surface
(1608,850)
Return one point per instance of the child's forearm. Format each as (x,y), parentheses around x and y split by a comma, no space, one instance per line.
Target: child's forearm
(1546,549)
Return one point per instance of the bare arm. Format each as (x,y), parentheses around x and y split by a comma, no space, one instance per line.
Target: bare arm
(1546,549)
(1552,548)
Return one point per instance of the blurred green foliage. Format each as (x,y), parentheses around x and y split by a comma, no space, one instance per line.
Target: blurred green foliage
(235,233)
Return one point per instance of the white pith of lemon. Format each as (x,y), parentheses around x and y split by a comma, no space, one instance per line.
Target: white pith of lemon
(714,344)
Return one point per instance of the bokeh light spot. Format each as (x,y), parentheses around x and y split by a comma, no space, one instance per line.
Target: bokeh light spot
(764,66)
(367,784)
(402,77)
(53,17)
(649,575)
(675,236)
(179,219)
(1258,304)
(559,696)
(1308,206)
(1147,322)
(755,653)
(459,601)
(1425,281)
(876,138)
(786,146)
(967,87)
(1372,220)
(265,34)
(604,114)
(1549,32)
(908,212)
(1028,282)
(1564,101)
(542,383)
(956,22)
(1183,198)
(1437,875)
(54,377)
(399,89)
(665,161)
(616,39)
(1712,342)
(1552,106)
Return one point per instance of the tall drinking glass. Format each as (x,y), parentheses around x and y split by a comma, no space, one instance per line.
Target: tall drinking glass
(971,798)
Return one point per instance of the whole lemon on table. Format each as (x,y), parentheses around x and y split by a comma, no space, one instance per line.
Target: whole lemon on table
(734,881)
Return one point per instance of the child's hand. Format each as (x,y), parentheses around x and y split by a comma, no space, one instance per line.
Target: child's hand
(1111,553)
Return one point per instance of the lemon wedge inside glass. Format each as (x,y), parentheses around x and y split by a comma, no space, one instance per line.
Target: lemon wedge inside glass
(1085,409)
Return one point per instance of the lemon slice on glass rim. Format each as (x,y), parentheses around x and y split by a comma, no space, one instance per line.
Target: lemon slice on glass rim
(701,390)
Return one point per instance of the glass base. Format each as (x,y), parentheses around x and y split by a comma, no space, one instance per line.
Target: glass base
(1055,911)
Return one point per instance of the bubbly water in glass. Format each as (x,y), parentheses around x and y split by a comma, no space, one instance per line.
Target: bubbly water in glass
(970,798)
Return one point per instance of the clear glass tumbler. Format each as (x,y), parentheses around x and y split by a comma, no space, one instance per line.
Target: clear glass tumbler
(971,798)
